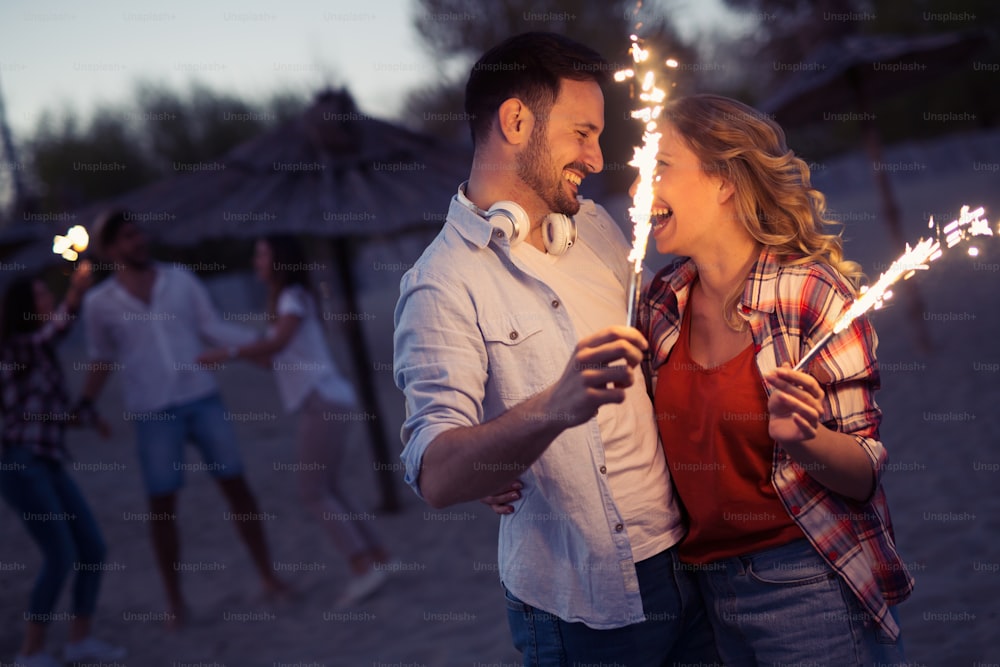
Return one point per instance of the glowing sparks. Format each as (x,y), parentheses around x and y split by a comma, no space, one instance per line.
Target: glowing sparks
(72,244)
(652,97)
(918,258)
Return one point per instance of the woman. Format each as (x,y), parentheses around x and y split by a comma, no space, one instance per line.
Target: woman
(33,479)
(779,470)
(310,384)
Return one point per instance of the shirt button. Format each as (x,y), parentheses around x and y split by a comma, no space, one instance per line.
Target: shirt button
(555,303)
(513,335)
(832,555)
(619,528)
(604,470)
(795,509)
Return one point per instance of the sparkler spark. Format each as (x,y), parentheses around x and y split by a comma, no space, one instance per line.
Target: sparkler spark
(918,258)
(645,160)
(72,244)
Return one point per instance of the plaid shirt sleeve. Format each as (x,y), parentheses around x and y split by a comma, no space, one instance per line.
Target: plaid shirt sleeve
(846,367)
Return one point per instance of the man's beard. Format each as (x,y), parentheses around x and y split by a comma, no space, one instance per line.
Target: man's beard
(535,168)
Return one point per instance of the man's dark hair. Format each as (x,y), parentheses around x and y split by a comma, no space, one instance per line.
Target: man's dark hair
(109,225)
(528,67)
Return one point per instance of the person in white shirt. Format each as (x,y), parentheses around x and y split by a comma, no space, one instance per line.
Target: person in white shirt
(153,320)
(311,386)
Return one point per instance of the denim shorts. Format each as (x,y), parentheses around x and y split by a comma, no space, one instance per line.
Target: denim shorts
(786,606)
(161,436)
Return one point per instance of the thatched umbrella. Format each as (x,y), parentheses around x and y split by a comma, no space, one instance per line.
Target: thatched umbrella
(333,172)
(846,75)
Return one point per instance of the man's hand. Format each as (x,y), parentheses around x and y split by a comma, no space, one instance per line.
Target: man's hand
(592,377)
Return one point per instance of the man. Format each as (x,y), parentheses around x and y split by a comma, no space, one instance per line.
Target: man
(154,319)
(514,364)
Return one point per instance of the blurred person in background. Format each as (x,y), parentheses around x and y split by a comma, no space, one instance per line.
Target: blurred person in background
(155,319)
(312,387)
(33,479)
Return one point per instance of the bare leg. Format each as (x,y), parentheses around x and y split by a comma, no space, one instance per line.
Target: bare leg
(247,518)
(79,629)
(322,450)
(34,638)
(167,546)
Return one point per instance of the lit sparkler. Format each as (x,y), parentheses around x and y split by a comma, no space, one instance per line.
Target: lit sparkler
(645,160)
(72,244)
(918,258)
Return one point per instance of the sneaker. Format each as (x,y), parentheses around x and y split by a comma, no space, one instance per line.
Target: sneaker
(36,660)
(91,649)
(361,586)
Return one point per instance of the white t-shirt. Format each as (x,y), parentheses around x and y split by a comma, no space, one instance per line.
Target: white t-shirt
(157,344)
(636,466)
(305,363)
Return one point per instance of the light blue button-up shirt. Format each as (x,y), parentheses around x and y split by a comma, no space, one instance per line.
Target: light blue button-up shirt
(475,335)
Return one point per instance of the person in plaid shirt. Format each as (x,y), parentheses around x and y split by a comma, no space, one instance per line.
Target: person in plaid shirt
(778,470)
(33,480)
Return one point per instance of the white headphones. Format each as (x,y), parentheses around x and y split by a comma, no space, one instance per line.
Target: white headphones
(558,230)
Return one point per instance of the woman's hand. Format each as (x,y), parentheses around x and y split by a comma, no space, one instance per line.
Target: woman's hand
(795,404)
(79,282)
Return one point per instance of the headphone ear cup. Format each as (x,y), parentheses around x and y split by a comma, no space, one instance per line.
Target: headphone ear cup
(560,233)
(510,218)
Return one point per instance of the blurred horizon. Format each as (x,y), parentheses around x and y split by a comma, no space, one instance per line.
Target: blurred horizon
(249,49)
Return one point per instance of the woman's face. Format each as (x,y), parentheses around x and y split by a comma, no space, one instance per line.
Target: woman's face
(686,200)
(45,302)
(263,261)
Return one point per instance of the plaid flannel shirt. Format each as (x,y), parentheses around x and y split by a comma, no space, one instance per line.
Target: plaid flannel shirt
(33,400)
(788,309)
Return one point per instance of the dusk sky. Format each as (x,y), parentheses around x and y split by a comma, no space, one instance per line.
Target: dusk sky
(58,54)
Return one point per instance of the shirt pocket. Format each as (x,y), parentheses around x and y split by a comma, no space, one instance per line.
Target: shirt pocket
(519,362)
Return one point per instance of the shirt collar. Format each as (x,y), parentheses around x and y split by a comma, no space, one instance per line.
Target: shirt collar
(761,291)
(468,220)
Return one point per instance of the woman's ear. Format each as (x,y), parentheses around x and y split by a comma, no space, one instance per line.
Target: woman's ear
(515,121)
(726,190)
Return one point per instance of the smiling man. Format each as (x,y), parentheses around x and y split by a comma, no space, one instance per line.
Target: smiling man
(511,354)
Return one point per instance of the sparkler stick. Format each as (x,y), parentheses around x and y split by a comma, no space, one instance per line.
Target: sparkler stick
(918,258)
(645,159)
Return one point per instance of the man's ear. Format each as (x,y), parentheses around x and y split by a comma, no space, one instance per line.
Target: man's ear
(515,121)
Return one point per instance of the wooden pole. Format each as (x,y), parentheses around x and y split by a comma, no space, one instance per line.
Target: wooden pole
(342,255)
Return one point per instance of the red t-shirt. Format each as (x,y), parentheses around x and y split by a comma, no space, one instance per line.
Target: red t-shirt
(713,425)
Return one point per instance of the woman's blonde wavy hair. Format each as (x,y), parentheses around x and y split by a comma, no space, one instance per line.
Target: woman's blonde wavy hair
(773,195)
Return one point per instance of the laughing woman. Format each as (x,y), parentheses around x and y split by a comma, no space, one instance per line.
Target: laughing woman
(779,470)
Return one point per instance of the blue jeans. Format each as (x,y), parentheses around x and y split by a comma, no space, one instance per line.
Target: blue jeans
(786,606)
(675,632)
(60,522)
(161,436)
